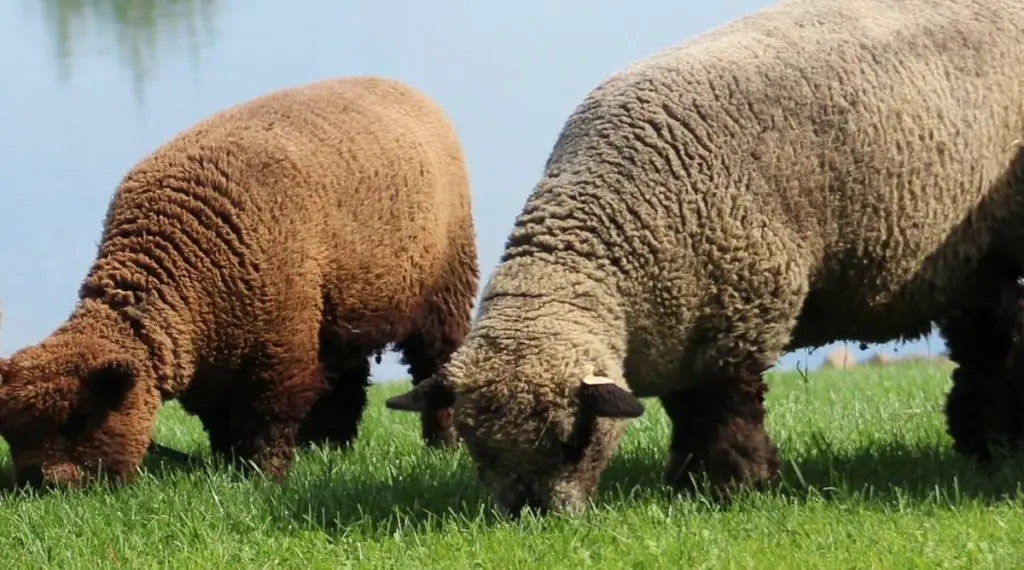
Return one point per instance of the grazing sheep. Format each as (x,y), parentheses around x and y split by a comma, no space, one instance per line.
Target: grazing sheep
(250,267)
(819,170)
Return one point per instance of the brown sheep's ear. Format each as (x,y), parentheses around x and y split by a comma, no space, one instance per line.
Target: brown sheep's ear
(604,398)
(430,393)
(107,384)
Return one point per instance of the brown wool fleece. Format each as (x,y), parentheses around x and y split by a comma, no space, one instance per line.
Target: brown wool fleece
(248,265)
(816,171)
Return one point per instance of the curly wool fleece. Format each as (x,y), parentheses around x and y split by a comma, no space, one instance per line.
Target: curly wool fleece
(250,267)
(815,171)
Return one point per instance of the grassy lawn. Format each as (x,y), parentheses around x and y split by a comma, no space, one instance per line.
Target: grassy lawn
(869,482)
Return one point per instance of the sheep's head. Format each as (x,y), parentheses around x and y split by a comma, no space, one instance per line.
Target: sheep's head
(539,444)
(71,409)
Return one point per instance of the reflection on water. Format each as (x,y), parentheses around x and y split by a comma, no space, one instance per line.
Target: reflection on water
(138,28)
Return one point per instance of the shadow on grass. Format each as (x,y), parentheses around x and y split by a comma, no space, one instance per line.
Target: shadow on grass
(409,496)
(894,472)
(161,463)
(883,475)
(410,500)
(417,496)
(438,489)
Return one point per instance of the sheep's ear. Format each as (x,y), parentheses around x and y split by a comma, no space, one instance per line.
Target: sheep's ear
(604,398)
(108,383)
(430,393)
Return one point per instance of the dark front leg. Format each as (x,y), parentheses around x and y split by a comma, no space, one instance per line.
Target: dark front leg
(718,430)
(267,414)
(424,354)
(217,424)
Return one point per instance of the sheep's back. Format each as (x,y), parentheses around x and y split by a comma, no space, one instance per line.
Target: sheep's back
(366,154)
(356,183)
(863,131)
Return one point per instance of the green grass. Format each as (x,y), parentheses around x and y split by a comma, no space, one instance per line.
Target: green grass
(869,482)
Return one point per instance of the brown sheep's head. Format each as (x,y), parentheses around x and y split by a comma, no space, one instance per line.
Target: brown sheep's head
(71,409)
(540,444)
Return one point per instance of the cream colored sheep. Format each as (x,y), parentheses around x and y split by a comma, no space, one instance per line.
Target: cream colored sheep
(819,170)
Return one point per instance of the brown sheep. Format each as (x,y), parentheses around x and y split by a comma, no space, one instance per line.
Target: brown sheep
(250,267)
(818,170)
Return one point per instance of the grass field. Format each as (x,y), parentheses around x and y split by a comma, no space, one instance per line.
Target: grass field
(869,482)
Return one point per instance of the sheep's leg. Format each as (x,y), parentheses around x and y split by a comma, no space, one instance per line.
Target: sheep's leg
(334,418)
(1014,370)
(718,429)
(718,420)
(208,398)
(424,353)
(267,412)
(1013,376)
(426,349)
(982,404)
(221,430)
(217,423)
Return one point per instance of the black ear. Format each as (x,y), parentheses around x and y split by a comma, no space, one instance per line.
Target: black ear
(107,384)
(604,398)
(429,394)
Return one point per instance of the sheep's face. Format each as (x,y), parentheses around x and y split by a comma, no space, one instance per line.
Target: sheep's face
(70,415)
(535,446)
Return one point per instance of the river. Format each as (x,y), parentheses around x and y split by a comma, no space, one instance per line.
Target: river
(90,86)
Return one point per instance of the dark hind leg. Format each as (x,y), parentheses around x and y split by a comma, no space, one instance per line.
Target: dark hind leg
(334,418)
(718,430)
(428,347)
(1014,368)
(983,406)
(424,354)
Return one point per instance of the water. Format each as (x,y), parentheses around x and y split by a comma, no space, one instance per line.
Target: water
(90,86)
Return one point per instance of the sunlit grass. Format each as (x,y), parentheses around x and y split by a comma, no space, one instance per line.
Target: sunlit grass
(869,483)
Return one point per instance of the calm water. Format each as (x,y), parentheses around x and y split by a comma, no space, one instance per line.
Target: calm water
(91,86)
